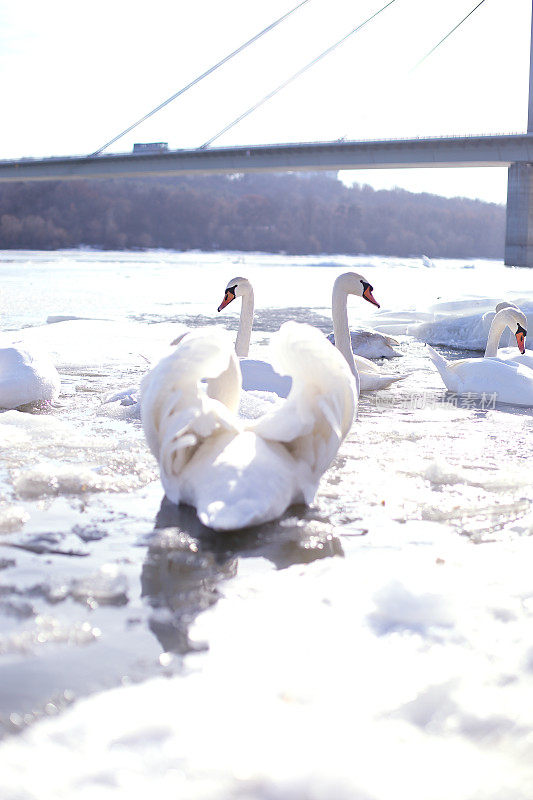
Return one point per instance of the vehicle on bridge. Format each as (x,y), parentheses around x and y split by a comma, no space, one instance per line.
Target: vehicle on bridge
(150,147)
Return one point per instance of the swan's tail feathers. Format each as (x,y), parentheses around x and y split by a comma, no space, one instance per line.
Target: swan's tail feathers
(321,406)
(187,397)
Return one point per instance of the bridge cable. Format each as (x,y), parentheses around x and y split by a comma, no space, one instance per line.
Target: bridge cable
(201,77)
(296,75)
(446,37)
(418,63)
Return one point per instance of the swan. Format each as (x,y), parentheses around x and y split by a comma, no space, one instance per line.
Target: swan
(26,377)
(237,473)
(508,380)
(370,376)
(370,343)
(464,332)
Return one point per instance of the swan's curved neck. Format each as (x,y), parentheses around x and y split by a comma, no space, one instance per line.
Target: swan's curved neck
(341,331)
(497,327)
(242,342)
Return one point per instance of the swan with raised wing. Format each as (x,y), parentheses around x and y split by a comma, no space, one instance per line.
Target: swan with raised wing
(509,380)
(238,474)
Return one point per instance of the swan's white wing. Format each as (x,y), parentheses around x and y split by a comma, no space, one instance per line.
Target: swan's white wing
(509,381)
(513,354)
(180,410)
(321,405)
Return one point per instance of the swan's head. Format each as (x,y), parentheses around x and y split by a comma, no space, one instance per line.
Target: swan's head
(353,283)
(521,322)
(237,287)
(512,317)
(521,334)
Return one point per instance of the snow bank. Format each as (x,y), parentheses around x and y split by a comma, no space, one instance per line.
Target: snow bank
(403,673)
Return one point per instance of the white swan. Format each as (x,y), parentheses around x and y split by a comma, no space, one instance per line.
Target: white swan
(508,380)
(256,375)
(26,378)
(370,343)
(370,376)
(237,474)
(458,330)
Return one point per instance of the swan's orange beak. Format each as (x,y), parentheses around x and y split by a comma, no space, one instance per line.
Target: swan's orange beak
(367,294)
(228,297)
(521,341)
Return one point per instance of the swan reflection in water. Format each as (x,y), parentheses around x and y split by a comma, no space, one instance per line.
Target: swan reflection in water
(186,563)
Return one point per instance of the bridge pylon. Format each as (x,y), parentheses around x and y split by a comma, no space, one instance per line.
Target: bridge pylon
(519,228)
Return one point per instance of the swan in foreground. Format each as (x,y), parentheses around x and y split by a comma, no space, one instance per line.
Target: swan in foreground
(26,378)
(370,376)
(238,474)
(509,380)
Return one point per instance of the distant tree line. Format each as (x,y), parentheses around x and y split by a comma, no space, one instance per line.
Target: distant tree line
(291,213)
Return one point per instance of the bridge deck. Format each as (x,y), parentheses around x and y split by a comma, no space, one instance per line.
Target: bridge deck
(459,151)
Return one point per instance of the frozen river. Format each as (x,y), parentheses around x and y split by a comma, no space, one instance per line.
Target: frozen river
(376,646)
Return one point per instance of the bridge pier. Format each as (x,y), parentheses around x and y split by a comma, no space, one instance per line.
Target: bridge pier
(519,229)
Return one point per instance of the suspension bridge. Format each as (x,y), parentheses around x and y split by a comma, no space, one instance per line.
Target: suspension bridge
(514,151)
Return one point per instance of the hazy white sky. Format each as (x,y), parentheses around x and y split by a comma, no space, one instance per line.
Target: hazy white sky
(74,74)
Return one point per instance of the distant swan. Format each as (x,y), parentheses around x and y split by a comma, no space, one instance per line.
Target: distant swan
(509,353)
(26,378)
(238,474)
(509,380)
(450,326)
(370,376)
(369,343)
